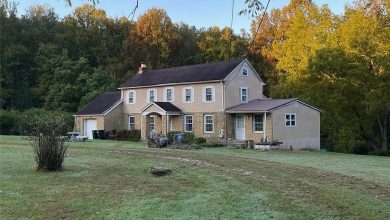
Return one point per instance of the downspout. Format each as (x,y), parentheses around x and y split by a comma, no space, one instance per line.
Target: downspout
(265,126)
(223,108)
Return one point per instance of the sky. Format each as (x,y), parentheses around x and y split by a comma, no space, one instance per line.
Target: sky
(200,13)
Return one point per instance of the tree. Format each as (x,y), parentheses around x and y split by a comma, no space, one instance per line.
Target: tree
(153,40)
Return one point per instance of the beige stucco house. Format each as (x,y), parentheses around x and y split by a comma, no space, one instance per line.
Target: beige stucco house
(220,101)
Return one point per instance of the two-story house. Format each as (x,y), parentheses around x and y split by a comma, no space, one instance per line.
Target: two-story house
(218,101)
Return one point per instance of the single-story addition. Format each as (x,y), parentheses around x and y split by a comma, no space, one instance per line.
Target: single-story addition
(103,113)
(220,102)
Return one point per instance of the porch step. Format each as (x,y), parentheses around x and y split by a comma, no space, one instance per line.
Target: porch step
(237,143)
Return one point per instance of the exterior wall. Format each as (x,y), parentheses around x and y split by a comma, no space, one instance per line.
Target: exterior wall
(79,122)
(306,133)
(197,125)
(236,80)
(114,120)
(196,106)
(257,136)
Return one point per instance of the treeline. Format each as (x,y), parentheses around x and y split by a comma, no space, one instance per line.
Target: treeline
(338,63)
(63,63)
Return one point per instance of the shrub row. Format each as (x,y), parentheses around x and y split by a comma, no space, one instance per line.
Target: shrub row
(15,122)
(128,135)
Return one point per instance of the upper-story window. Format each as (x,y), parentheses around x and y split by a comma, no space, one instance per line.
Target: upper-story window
(188,95)
(290,119)
(169,94)
(243,94)
(245,71)
(152,95)
(131,96)
(208,94)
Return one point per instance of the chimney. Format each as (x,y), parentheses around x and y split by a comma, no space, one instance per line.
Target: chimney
(142,68)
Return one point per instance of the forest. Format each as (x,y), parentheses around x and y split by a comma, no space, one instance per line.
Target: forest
(340,63)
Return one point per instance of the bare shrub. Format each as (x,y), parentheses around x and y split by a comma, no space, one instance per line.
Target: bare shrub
(47,135)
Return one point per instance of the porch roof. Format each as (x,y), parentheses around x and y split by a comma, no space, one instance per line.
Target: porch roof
(165,107)
(260,105)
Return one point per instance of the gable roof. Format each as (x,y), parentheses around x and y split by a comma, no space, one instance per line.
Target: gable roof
(165,106)
(264,105)
(102,104)
(184,74)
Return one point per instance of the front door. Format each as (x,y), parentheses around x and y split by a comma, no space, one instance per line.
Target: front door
(240,127)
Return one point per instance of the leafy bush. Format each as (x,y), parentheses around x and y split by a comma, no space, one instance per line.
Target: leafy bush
(171,134)
(361,148)
(200,140)
(129,135)
(10,122)
(190,137)
(47,135)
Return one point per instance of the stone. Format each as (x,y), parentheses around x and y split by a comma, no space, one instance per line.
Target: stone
(160,171)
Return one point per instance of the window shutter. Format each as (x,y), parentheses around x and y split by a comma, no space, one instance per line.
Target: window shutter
(213,93)
(183,95)
(203,94)
(192,95)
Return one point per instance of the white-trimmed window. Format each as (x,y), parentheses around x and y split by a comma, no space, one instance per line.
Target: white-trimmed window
(188,123)
(208,122)
(169,94)
(290,119)
(243,94)
(151,122)
(131,122)
(258,122)
(131,97)
(208,94)
(152,95)
(245,71)
(188,95)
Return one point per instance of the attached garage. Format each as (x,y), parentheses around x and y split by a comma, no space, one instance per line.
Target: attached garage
(89,126)
(103,113)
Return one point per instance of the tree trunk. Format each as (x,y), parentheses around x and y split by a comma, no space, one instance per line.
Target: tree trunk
(383,127)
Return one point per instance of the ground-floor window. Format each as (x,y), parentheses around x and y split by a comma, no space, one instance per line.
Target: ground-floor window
(131,123)
(258,122)
(290,120)
(208,122)
(188,123)
(151,122)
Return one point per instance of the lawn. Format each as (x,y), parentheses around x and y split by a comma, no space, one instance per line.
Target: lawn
(111,180)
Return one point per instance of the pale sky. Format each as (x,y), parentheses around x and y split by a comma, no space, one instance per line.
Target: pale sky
(200,13)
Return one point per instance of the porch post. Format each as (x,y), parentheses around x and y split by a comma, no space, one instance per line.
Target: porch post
(265,126)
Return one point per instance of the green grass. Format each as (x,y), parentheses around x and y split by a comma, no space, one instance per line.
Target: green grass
(111,180)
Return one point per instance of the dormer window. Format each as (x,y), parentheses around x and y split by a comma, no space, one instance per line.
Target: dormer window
(244,71)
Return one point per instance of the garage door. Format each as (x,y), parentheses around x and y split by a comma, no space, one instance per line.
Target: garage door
(89,125)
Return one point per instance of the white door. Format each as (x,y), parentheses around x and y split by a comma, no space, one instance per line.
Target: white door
(240,127)
(89,125)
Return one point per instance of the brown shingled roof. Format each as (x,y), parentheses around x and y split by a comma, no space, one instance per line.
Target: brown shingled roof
(101,104)
(183,74)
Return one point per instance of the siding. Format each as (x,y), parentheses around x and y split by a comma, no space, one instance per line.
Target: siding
(196,106)
(236,80)
(306,133)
